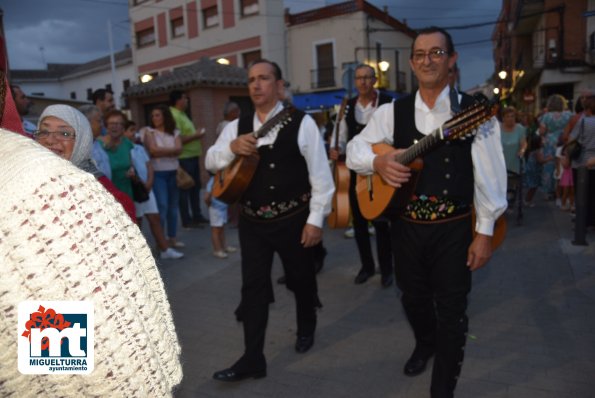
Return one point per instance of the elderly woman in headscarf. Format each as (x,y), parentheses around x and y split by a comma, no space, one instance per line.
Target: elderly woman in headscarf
(67,132)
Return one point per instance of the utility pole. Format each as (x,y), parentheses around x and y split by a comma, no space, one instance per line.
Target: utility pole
(117,93)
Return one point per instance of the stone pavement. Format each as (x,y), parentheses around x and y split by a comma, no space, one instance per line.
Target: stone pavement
(532,322)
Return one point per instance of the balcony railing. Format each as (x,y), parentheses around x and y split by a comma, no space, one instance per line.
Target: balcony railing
(322,78)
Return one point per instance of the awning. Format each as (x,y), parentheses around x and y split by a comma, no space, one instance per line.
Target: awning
(318,101)
(325,99)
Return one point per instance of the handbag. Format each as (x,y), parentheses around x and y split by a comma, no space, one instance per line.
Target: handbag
(183,179)
(574,148)
(139,190)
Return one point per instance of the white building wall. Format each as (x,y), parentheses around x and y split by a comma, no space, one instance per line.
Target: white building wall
(217,41)
(351,45)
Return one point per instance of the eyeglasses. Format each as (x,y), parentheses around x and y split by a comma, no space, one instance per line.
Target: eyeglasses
(362,78)
(435,55)
(41,135)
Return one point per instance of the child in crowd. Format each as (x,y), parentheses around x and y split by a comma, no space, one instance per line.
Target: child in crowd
(144,171)
(566,182)
(534,161)
(218,219)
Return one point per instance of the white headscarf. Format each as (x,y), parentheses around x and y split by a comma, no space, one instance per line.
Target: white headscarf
(83,141)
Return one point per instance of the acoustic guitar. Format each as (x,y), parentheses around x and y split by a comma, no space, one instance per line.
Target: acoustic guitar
(231,182)
(376,198)
(339,215)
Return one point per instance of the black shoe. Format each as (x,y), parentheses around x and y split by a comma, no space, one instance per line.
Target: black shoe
(362,277)
(281,280)
(230,374)
(386,280)
(416,364)
(304,343)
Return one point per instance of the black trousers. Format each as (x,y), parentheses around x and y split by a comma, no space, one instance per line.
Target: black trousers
(190,198)
(362,237)
(432,274)
(259,241)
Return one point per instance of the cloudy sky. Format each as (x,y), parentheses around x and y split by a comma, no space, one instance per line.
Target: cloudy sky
(75,31)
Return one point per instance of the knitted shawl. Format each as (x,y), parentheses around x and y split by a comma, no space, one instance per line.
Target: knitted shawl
(63,237)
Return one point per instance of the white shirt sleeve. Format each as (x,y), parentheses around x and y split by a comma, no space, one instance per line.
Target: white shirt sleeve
(360,157)
(219,155)
(320,177)
(489,173)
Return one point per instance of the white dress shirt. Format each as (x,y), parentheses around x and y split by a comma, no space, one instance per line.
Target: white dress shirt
(311,147)
(362,115)
(489,170)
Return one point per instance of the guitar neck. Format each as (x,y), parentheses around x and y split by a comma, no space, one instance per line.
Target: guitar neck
(420,148)
(273,122)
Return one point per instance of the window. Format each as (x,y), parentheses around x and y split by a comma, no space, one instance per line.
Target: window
(73,95)
(89,94)
(108,87)
(210,17)
(145,37)
(137,2)
(325,72)
(248,7)
(126,84)
(249,57)
(177,27)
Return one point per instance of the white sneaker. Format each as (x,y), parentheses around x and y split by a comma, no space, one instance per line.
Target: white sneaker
(220,254)
(558,203)
(171,254)
(231,249)
(350,233)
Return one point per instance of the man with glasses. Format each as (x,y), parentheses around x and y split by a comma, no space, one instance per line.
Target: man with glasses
(436,254)
(359,110)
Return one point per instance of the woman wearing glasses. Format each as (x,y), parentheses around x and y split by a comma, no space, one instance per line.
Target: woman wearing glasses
(67,132)
(118,148)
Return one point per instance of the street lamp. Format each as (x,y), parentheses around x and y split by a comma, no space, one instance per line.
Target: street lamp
(383,65)
(146,78)
(223,61)
(496,91)
(502,74)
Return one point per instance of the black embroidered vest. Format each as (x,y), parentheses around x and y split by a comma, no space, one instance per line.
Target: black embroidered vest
(282,174)
(353,127)
(447,170)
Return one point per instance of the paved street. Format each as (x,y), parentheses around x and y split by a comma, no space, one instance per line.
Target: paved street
(532,322)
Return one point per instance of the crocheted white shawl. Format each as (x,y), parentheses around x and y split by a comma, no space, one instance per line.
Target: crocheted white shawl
(64,237)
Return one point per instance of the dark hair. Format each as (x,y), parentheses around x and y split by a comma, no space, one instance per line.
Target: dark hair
(115,112)
(99,95)
(362,66)
(589,104)
(175,96)
(13,87)
(128,124)
(169,124)
(450,47)
(534,142)
(276,70)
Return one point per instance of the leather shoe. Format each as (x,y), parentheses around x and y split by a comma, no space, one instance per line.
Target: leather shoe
(281,280)
(416,364)
(362,277)
(386,280)
(230,374)
(304,343)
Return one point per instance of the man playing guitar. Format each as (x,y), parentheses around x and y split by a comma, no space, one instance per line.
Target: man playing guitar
(358,113)
(432,239)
